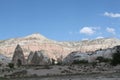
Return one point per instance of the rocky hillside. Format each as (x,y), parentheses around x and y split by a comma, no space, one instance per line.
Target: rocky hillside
(4,59)
(36,42)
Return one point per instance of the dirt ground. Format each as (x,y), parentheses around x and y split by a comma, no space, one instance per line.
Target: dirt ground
(110,76)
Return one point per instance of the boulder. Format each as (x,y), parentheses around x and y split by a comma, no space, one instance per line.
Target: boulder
(76,55)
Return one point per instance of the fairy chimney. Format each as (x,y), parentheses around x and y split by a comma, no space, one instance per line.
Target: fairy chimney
(40,58)
(30,57)
(18,56)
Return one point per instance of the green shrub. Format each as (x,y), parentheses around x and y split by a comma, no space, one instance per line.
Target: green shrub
(11,65)
(93,64)
(116,59)
(59,63)
(80,62)
(102,59)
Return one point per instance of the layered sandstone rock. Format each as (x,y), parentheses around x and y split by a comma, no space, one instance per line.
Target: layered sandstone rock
(55,49)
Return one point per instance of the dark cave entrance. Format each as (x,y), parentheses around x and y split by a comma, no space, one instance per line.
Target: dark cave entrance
(19,62)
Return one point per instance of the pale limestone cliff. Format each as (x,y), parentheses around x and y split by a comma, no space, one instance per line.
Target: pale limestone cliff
(55,49)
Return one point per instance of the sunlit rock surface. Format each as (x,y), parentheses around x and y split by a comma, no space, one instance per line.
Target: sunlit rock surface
(55,49)
(91,56)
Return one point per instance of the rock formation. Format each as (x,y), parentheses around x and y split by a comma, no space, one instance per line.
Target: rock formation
(76,55)
(18,56)
(91,56)
(30,57)
(55,49)
(4,60)
(39,58)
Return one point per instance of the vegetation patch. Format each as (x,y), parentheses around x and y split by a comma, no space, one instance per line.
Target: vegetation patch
(1,78)
(116,59)
(80,62)
(102,59)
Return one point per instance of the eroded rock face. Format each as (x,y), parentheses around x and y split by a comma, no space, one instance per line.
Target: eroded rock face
(18,56)
(91,56)
(55,49)
(39,58)
(4,60)
(30,57)
(76,55)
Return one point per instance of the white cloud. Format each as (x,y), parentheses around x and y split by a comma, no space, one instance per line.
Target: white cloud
(113,15)
(88,30)
(110,30)
(99,37)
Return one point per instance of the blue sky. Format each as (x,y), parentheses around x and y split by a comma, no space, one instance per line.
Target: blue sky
(62,20)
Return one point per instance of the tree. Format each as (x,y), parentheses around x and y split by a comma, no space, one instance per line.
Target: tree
(102,59)
(116,58)
(11,65)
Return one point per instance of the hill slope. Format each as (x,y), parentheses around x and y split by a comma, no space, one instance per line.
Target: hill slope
(37,42)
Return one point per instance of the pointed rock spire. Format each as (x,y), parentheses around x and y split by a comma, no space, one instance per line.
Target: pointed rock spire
(18,56)
(18,49)
(39,58)
(30,57)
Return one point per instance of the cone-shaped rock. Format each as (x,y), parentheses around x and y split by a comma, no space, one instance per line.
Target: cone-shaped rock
(30,57)
(18,56)
(40,58)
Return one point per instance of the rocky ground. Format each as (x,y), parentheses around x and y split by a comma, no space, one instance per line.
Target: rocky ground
(100,71)
(103,76)
(111,76)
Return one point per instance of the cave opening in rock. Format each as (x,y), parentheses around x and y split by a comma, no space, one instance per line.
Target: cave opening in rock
(19,62)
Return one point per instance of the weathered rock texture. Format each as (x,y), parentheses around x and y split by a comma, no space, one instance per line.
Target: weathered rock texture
(18,56)
(91,56)
(4,60)
(55,49)
(39,58)
(30,57)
